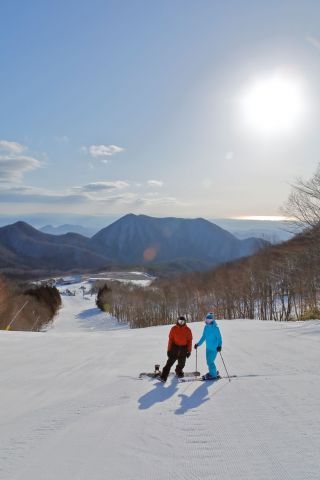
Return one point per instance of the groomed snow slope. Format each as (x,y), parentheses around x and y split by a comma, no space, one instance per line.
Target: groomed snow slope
(72,406)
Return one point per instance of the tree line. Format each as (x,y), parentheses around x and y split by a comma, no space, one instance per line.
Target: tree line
(281,282)
(29,308)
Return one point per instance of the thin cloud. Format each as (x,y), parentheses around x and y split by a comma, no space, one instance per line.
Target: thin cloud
(207,183)
(61,139)
(82,196)
(151,194)
(102,151)
(155,183)
(102,186)
(34,195)
(229,155)
(13,167)
(132,199)
(89,194)
(123,199)
(12,147)
(161,201)
(314,41)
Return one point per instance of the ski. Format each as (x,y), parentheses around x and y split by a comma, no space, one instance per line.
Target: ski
(171,374)
(201,379)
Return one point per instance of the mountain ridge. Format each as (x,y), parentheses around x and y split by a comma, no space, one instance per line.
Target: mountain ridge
(131,240)
(169,238)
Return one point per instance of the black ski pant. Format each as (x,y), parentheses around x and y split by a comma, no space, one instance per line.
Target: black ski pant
(176,353)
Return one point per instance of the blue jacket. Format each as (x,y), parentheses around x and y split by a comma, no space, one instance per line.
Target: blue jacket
(212,336)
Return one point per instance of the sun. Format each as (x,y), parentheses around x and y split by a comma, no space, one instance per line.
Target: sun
(273,105)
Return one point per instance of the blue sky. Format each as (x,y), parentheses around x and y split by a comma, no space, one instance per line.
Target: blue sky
(110,107)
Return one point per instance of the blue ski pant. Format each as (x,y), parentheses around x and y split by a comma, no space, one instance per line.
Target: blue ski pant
(211,356)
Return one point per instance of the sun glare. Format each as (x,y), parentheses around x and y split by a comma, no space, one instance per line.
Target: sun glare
(273,105)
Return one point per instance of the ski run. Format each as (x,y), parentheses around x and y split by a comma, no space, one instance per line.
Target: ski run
(72,406)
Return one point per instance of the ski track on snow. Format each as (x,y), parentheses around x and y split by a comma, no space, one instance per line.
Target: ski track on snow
(47,422)
(76,410)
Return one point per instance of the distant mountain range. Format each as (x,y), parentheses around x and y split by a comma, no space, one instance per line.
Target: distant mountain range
(67,228)
(134,240)
(25,249)
(269,230)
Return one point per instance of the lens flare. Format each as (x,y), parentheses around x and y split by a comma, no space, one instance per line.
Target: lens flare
(149,254)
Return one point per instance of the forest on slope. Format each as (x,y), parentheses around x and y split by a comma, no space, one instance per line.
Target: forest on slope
(281,282)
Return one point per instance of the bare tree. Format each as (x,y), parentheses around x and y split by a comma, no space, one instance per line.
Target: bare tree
(303,203)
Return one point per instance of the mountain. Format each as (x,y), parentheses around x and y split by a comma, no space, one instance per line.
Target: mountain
(160,244)
(136,239)
(67,228)
(24,248)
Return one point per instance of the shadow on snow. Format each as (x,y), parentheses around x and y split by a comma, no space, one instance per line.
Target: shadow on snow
(93,319)
(159,394)
(197,398)
(90,312)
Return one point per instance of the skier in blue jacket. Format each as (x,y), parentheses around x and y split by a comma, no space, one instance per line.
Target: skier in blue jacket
(212,336)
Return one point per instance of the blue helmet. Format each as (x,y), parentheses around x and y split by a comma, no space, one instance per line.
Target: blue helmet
(209,318)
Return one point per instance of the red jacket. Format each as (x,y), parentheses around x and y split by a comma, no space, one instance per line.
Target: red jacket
(180,336)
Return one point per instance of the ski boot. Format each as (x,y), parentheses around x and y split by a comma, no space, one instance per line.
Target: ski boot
(208,376)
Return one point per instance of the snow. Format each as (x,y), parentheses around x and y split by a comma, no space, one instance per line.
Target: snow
(141,279)
(80,314)
(72,406)
(141,283)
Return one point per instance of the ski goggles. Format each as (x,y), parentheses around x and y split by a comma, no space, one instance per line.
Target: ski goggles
(181,321)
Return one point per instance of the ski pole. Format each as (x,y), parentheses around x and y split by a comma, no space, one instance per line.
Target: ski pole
(225,367)
(197,374)
(196,360)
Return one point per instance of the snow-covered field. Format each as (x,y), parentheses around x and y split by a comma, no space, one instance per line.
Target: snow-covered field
(72,406)
(137,278)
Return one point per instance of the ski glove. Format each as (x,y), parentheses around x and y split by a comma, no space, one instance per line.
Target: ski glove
(196,346)
(219,348)
(188,354)
(168,353)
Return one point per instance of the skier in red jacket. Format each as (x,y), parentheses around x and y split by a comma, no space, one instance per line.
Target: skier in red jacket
(179,348)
